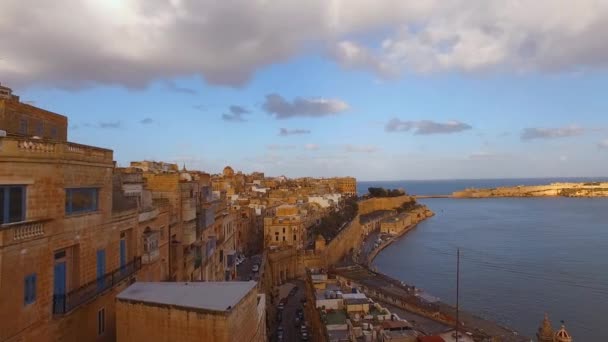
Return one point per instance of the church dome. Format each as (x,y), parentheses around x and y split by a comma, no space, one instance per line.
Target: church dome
(228,171)
(545,331)
(185,176)
(562,335)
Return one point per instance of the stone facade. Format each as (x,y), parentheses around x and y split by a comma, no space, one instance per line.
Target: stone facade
(84,245)
(140,320)
(22,119)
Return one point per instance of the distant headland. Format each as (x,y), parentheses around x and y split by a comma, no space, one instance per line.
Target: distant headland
(587,189)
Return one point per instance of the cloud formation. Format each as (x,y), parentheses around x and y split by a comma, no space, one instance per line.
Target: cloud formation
(172,86)
(154,40)
(235,114)
(280,108)
(277,147)
(360,148)
(113,124)
(286,132)
(146,121)
(426,127)
(551,133)
(312,147)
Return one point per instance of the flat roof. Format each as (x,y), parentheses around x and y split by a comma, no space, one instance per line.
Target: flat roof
(336,317)
(215,296)
(356,301)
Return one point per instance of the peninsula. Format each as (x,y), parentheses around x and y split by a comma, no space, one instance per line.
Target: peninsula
(590,189)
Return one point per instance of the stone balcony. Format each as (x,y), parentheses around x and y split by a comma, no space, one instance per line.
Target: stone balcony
(45,150)
(148,215)
(21,231)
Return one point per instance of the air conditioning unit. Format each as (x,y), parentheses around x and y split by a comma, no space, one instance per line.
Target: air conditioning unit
(2,133)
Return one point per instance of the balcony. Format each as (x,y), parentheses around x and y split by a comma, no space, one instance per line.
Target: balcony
(150,257)
(148,215)
(21,231)
(189,233)
(18,147)
(188,209)
(63,304)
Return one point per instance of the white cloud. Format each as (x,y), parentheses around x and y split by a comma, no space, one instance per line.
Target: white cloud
(134,42)
(426,127)
(361,148)
(312,147)
(308,107)
(551,133)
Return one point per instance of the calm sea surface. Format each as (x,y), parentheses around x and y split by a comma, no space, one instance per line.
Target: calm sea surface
(520,257)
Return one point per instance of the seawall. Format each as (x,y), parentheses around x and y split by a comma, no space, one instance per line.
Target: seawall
(419,215)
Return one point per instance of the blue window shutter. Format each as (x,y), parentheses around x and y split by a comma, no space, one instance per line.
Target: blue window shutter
(30,289)
(33,287)
(26,289)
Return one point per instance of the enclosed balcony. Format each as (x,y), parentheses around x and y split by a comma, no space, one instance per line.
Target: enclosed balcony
(189,233)
(151,240)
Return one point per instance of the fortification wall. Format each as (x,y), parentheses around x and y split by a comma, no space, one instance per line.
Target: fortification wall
(382,203)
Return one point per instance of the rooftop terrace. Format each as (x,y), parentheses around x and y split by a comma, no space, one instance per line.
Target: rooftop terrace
(19,147)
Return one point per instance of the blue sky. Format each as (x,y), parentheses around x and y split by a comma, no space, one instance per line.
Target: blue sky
(458,115)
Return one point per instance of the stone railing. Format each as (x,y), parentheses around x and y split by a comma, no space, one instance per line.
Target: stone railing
(19,231)
(18,147)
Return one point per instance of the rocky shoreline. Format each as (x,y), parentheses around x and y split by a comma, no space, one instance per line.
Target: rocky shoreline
(589,189)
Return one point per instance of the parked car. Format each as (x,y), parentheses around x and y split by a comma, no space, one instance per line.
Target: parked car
(281,306)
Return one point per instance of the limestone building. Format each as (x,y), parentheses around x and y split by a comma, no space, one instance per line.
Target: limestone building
(285,228)
(68,243)
(207,311)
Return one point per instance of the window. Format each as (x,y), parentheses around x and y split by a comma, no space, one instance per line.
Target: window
(12,203)
(294,237)
(283,237)
(54,133)
(29,289)
(40,129)
(23,126)
(80,200)
(101,322)
(283,230)
(276,238)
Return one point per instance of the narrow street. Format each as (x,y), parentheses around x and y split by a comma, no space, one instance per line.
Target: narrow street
(291,331)
(244,270)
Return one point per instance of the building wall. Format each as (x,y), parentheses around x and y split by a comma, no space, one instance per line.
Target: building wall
(141,322)
(29,247)
(12,112)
